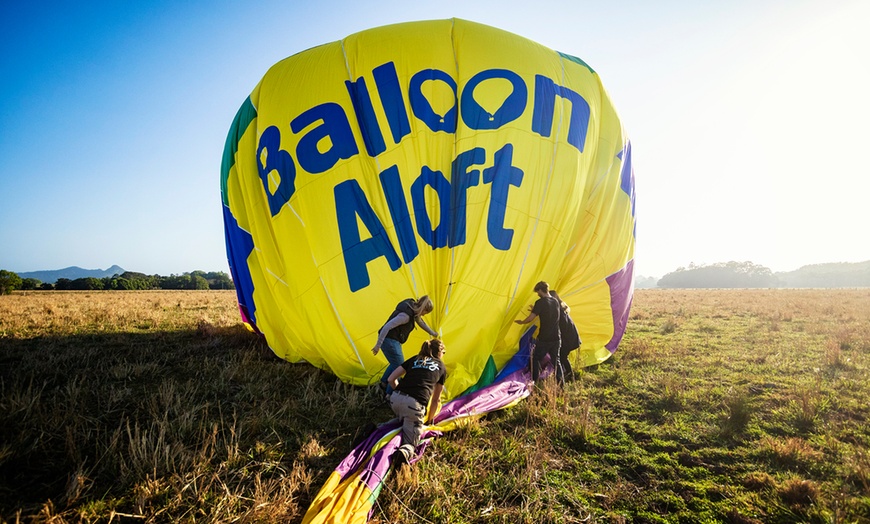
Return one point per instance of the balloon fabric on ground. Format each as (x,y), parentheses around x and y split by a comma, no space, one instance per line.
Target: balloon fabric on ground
(443,158)
(351,490)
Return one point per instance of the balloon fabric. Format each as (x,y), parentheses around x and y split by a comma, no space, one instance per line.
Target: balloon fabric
(443,158)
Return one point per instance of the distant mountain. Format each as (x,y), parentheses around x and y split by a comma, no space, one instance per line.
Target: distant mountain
(72,273)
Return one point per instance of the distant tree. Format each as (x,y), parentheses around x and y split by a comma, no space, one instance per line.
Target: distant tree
(30,283)
(87,284)
(199,282)
(835,274)
(45,286)
(721,275)
(641,282)
(117,283)
(141,280)
(174,282)
(130,280)
(9,281)
(219,280)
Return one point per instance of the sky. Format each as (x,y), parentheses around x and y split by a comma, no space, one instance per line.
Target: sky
(748,120)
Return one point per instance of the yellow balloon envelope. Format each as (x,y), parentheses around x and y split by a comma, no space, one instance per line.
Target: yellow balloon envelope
(443,158)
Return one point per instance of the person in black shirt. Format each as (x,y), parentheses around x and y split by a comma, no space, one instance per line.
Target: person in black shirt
(396,330)
(569,335)
(549,338)
(421,385)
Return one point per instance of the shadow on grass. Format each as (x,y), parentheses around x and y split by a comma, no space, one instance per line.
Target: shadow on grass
(94,417)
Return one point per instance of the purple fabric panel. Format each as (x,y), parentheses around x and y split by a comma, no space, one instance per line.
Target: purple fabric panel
(360,453)
(621,293)
(493,397)
(243,312)
(490,398)
(376,469)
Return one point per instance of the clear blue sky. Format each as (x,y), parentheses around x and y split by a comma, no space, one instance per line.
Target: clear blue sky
(748,119)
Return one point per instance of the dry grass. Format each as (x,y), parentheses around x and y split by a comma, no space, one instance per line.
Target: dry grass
(721,406)
(59,313)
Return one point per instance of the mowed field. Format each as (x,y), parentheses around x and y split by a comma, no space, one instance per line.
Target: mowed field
(735,406)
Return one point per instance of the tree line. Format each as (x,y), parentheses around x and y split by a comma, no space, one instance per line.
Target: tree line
(129,280)
(721,275)
(749,275)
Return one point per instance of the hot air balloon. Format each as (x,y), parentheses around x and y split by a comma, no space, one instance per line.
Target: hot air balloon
(443,158)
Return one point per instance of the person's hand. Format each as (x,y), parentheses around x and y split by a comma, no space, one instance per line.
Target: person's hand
(375,350)
(520,322)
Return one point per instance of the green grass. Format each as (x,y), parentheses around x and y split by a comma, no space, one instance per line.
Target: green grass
(733,406)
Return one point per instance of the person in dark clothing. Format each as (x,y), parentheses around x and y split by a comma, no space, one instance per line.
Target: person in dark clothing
(549,337)
(569,335)
(407,315)
(422,382)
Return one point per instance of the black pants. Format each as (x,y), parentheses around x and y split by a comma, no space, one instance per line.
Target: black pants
(542,349)
(567,369)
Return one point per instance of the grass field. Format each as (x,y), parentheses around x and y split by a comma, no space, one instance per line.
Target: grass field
(734,406)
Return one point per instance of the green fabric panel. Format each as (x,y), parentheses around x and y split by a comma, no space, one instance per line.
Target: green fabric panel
(576,60)
(246,114)
(486,377)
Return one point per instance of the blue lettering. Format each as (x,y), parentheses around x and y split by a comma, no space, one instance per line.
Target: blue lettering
(451,213)
(423,109)
(395,194)
(271,160)
(434,237)
(335,126)
(513,106)
(391,98)
(462,178)
(545,106)
(501,175)
(365,115)
(350,203)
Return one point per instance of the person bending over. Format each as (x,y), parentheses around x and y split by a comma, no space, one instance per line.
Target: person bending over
(420,388)
(394,333)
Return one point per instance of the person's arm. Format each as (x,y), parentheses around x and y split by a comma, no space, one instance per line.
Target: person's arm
(434,403)
(397,321)
(529,319)
(394,377)
(426,328)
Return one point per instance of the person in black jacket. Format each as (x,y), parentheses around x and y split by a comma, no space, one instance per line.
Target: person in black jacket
(549,337)
(394,333)
(417,398)
(569,335)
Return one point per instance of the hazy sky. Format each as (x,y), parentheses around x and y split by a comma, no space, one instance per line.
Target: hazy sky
(748,120)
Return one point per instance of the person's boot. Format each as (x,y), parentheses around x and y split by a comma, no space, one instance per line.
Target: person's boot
(399,459)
